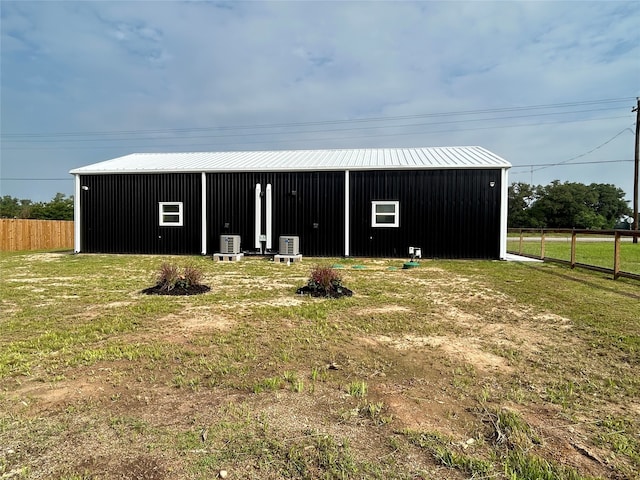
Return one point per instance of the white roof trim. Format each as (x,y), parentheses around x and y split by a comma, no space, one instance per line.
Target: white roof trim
(301,160)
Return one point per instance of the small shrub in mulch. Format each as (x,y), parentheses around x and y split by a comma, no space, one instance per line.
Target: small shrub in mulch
(324,282)
(172,280)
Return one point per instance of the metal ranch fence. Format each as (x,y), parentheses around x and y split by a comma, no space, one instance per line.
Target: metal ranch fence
(569,247)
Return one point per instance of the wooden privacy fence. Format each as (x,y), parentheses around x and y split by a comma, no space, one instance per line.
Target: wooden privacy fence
(21,234)
(545,236)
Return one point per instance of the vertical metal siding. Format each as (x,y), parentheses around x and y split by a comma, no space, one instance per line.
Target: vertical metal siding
(300,200)
(120,213)
(448,213)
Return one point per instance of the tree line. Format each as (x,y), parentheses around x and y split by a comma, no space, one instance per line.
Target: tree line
(567,205)
(59,208)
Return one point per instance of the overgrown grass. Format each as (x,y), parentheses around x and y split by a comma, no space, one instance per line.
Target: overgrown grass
(390,383)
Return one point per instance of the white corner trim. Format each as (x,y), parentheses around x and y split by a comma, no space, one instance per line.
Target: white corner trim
(346,213)
(203,221)
(504,209)
(77,205)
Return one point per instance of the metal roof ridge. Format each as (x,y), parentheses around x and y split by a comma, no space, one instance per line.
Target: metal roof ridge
(473,156)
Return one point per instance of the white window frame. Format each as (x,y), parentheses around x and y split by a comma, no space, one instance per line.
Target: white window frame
(162,213)
(396,213)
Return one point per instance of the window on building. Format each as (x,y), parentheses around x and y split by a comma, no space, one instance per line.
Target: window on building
(170,214)
(385,214)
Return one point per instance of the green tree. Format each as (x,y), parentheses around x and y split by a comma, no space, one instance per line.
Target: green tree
(611,203)
(521,197)
(566,205)
(11,207)
(60,208)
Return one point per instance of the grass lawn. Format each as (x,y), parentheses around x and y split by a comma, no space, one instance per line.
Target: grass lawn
(452,370)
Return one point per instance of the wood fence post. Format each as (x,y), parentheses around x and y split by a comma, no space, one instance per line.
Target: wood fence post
(520,245)
(616,257)
(542,243)
(573,249)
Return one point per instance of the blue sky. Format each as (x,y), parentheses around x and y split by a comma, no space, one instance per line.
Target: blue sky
(536,82)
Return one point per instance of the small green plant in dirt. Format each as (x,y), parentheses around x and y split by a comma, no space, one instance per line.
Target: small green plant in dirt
(123,424)
(562,393)
(516,464)
(297,385)
(618,434)
(268,384)
(325,281)
(375,412)
(509,429)
(441,448)
(357,388)
(319,374)
(519,465)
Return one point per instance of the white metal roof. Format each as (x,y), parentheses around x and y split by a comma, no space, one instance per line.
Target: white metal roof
(300,160)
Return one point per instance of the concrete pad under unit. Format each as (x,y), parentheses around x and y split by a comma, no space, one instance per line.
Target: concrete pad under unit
(287,258)
(227,257)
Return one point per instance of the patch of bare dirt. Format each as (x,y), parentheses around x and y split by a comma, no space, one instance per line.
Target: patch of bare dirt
(44,257)
(462,349)
(194,320)
(138,467)
(381,310)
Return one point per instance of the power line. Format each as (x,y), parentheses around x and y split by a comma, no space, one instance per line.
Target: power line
(586,153)
(307,140)
(326,122)
(512,172)
(227,135)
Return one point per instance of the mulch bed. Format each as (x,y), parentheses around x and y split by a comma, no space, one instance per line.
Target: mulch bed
(160,289)
(321,292)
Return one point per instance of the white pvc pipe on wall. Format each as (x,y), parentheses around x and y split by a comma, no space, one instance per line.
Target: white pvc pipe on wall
(203,225)
(268,216)
(258,213)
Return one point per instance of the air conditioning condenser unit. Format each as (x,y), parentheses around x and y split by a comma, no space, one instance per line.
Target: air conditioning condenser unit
(230,244)
(289,245)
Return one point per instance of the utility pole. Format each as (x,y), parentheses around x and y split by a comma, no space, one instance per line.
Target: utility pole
(637,162)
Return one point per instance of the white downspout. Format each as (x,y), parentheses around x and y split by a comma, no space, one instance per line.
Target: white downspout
(504,205)
(346,213)
(268,216)
(203,221)
(258,207)
(76,216)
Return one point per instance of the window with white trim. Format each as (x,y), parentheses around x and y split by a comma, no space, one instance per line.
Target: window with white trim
(385,214)
(170,214)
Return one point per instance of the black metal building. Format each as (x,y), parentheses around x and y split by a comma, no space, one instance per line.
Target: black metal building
(449,201)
